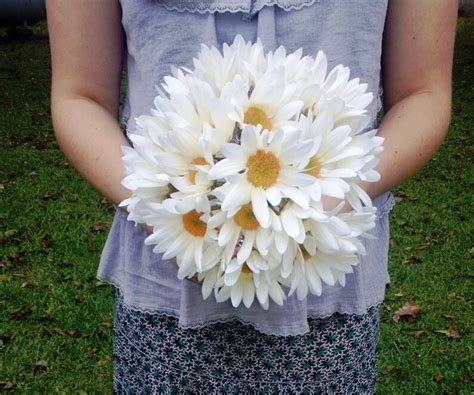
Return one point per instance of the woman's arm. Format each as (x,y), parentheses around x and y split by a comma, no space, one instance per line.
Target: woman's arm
(87,47)
(416,65)
(87,51)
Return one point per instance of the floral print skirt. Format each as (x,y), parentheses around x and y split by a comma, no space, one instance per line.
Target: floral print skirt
(154,355)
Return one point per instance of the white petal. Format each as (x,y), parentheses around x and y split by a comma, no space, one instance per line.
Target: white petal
(325,273)
(236,294)
(246,247)
(226,233)
(234,152)
(216,220)
(238,195)
(249,293)
(290,223)
(276,294)
(248,139)
(260,207)
(281,241)
(230,279)
(273,195)
(314,282)
(223,168)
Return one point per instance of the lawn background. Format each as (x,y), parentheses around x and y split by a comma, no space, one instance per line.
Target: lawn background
(56,318)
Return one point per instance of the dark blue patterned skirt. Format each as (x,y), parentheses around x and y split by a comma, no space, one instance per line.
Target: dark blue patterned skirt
(153,355)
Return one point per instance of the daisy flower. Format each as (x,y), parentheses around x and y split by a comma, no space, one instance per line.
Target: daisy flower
(332,145)
(241,283)
(242,228)
(311,271)
(271,102)
(261,170)
(236,59)
(180,230)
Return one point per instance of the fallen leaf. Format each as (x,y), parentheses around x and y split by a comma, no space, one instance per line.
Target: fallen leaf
(396,370)
(412,260)
(438,377)
(47,195)
(20,313)
(97,227)
(409,310)
(104,360)
(7,385)
(8,236)
(451,332)
(387,369)
(79,297)
(39,367)
(91,350)
(65,332)
(452,295)
(467,378)
(417,334)
(59,331)
(46,241)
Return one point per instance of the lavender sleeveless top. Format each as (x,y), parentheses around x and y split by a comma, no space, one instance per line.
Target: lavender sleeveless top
(162,33)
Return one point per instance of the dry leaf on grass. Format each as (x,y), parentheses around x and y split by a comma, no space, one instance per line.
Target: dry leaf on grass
(410,311)
(98,227)
(418,333)
(46,241)
(438,377)
(451,332)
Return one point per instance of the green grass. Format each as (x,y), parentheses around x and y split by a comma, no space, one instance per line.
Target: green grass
(56,318)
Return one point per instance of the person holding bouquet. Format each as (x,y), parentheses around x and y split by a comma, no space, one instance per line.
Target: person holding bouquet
(322,335)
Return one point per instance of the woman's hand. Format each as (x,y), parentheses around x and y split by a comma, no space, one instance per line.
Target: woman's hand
(330,203)
(194,279)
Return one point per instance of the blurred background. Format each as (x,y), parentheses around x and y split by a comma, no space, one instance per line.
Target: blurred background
(56,317)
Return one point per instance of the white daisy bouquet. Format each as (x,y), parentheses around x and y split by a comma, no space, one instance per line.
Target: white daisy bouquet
(234,164)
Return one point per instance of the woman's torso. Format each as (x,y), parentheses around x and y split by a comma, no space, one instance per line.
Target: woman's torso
(162,33)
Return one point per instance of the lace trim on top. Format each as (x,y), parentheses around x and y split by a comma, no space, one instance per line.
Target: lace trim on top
(232,5)
(293,330)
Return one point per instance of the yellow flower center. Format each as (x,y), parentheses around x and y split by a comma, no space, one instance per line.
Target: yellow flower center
(245,218)
(255,116)
(306,254)
(314,167)
(246,269)
(193,224)
(263,169)
(192,173)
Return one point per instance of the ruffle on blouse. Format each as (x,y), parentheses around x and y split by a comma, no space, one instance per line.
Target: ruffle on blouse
(249,7)
(158,291)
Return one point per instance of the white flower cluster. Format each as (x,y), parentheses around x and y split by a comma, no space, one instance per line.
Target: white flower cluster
(233,166)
